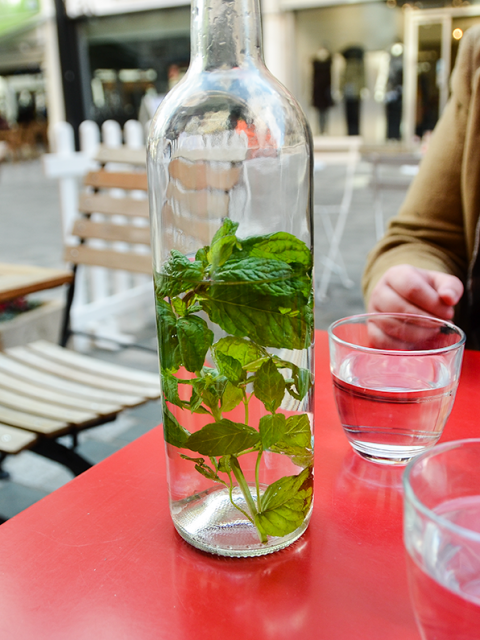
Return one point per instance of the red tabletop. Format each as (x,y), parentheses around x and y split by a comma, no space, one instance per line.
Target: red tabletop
(99,559)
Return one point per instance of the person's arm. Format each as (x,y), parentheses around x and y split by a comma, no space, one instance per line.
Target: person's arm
(428,232)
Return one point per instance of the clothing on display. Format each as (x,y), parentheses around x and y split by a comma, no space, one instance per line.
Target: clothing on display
(353,81)
(322,85)
(393,95)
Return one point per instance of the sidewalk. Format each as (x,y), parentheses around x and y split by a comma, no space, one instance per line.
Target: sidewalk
(31,234)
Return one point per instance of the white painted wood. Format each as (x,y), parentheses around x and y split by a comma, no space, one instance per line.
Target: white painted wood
(109,303)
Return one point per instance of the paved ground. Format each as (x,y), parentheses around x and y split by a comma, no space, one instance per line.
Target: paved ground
(30,233)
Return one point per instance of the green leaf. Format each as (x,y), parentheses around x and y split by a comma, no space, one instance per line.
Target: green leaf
(196,401)
(303,381)
(232,396)
(194,339)
(201,255)
(272,429)
(220,251)
(224,464)
(279,246)
(173,432)
(285,504)
(298,431)
(169,351)
(242,350)
(222,438)
(202,467)
(228,228)
(170,389)
(179,306)
(207,472)
(269,385)
(230,367)
(178,274)
(251,308)
(196,460)
(300,456)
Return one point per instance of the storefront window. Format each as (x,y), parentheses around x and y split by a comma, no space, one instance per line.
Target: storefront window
(133,60)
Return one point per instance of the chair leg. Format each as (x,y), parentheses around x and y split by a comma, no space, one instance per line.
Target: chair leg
(55,451)
(4,475)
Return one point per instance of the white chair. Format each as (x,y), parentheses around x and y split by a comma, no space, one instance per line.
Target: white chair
(330,150)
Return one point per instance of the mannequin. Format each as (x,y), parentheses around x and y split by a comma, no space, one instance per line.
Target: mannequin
(393,95)
(353,82)
(322,85)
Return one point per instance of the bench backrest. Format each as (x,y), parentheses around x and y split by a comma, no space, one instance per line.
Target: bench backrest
(113,221)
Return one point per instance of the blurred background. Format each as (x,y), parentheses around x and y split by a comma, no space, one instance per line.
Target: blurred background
(79,60)
(371,76)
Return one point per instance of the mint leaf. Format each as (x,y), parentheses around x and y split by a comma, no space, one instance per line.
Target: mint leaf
(279,246)
(230,367)
(205,471)
(242,350)
(221,250)
(194,339)
(272,429)
(285,504)
(300,456)
(173,431)
(295,441)
(228,228)
(251,308)
(170,389)
(224,464)
(178,274)
(298,431)
(232,396)
(169,351)
(303,381)
(201,256)
(272,278)
(222,438)
(269,386)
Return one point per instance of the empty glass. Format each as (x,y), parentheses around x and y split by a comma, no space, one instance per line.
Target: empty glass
(395,377)
(442,538)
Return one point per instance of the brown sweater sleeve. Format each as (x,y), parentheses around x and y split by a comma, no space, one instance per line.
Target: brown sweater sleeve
(429,231)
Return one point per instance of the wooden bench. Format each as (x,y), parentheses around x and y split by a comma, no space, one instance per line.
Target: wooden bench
(47,390)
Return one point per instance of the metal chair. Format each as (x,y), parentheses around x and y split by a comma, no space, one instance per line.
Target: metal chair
(394,171)
(345,151)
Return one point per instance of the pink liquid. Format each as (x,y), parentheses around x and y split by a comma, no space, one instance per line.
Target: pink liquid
(441,614)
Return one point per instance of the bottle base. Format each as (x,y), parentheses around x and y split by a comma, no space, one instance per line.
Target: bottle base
(211,523)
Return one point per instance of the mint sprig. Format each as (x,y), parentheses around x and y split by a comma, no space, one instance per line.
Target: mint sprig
(259,291)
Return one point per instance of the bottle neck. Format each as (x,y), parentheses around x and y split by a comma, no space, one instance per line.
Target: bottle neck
(225,34)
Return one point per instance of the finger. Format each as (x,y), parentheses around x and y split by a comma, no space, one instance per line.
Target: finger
(405,333)
(418,287)
(449,288)
(385,299)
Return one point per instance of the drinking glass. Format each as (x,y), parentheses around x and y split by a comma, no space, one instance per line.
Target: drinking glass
(442,539)
(395,377)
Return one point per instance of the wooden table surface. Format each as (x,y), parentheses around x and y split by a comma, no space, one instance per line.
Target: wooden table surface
(99,559)
(18,280)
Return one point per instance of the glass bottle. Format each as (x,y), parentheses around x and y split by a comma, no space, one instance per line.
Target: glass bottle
(229,163)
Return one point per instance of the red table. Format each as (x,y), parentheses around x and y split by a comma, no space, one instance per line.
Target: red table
(99,558)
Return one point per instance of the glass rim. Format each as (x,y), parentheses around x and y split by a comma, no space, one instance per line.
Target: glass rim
(410,494)
(397,352)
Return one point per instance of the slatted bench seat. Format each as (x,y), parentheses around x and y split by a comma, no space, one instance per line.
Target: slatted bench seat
(48,390)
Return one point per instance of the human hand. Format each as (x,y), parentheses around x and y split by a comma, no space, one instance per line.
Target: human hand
(407,289)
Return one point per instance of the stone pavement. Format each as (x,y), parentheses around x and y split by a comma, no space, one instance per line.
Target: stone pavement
(30,233)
